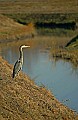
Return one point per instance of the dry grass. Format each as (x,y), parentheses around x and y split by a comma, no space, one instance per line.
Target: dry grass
(70,55)
(21,99)
(10,30)
(38,6)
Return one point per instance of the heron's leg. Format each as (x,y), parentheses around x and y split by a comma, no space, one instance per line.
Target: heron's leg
(18,74)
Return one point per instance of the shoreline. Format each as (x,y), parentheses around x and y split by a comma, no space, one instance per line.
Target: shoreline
(23,91)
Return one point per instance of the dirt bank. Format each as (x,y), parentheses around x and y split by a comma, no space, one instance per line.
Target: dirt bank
(12,31)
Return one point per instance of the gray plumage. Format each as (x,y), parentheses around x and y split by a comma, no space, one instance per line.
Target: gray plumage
(19,62)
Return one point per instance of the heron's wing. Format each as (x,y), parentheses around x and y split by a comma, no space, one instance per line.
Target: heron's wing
(17,67)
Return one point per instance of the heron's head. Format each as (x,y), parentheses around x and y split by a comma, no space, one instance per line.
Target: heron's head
(24,46)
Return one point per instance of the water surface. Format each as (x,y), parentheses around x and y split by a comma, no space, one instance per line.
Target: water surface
(59,77)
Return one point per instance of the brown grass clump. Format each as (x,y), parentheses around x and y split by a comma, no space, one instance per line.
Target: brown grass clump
(70,55)
(69,52)
(21,99)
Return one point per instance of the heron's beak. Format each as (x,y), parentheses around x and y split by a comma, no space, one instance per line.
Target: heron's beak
(27,46)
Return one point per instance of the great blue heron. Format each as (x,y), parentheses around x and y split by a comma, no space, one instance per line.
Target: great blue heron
(19,62)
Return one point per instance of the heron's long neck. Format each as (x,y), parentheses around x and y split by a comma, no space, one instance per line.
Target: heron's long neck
(21,55)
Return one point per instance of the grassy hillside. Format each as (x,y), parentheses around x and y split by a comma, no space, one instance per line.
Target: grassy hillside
(21,99)
(11,30)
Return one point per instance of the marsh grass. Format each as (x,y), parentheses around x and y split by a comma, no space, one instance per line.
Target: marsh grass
(65,54)
(57,32)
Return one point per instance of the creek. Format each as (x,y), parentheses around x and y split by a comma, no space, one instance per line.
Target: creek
(60,77)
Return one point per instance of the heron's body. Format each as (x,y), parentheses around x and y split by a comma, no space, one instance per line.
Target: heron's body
(19,62)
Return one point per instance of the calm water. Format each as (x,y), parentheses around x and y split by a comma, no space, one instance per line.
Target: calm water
(59,77)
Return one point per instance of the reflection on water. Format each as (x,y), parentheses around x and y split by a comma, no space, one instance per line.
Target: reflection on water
(59,77)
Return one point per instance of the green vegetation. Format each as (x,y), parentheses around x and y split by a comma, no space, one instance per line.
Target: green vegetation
(39,17)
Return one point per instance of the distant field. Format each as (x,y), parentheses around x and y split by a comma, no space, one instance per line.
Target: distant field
(39,6)
(26,11)
(44,13)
